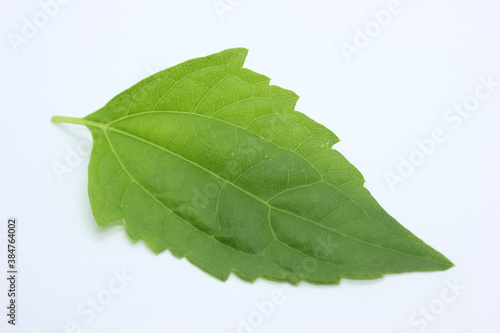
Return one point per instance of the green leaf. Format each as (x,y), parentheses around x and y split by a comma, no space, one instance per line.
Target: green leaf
(209,161)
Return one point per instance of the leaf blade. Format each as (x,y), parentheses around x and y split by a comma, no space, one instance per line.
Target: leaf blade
(208,160)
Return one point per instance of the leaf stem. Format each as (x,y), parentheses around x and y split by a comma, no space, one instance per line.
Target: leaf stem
(69,120)
(72,120)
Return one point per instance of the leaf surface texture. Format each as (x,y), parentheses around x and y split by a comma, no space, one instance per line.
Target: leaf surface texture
(210,161)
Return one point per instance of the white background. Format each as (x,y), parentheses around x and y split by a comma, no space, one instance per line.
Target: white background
(395,90)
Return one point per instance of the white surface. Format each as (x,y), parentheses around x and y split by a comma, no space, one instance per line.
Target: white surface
(395,91)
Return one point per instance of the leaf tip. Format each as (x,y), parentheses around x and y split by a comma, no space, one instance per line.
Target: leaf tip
(447,264)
